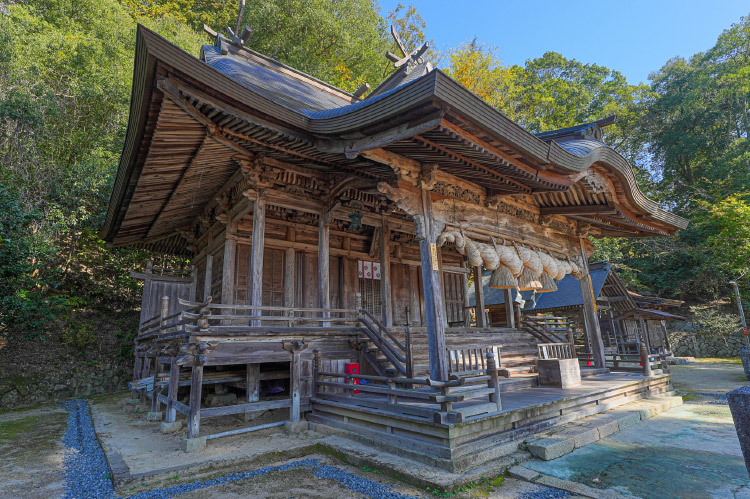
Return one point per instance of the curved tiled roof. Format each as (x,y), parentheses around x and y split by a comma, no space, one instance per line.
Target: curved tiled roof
(310,111)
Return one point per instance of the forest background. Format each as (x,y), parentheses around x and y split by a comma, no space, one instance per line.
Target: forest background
(65,80)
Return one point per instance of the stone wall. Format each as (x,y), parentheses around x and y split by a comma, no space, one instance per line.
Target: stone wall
(21,390)
(701,345)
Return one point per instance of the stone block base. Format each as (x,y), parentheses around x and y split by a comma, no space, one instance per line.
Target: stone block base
(295,427)
(739,404)
(171,427)
(193,444)
(154,416)
(564,373)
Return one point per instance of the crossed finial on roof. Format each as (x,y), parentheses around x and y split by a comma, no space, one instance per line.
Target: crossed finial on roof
(414,57)
(234,35)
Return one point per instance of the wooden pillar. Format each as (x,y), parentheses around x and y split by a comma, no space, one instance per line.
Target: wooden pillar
(174,386)
(324,261)
(590,317)
(510,318)
(433,293)
(467,315)
(479,295)
(194,283)
(252,388)
(157,360)
(294,389)
(667,345)
(385,274)
(194,412)
(227,272)
(256,256)
(208,277)
(644,332)
(146,297)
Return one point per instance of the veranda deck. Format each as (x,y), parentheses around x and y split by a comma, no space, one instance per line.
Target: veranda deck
(481,437)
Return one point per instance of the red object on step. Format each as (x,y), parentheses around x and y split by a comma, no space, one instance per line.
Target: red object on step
(588,362)
(352,368)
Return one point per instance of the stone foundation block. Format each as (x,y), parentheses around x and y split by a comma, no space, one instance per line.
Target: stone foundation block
(522,473)
(193,444)
(171,427)
(551,448)
(628,420)
(564,373)
(739,404)
(295,427)
(154,416)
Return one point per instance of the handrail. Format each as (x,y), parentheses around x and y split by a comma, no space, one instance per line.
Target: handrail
(388,350)
(383,328)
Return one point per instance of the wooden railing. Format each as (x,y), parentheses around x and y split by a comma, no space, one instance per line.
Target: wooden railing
(396,353)
(470,360)
(427,398)
(631,362)
(556,351)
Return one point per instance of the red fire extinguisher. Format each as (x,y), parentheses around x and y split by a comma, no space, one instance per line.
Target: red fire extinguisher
(588,361)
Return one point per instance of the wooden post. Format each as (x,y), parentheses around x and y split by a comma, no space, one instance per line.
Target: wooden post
(510,317)
(357,302)
(467,315)
(572,341)
(157,361)
(146,297)
(194,412)
(646,360)
(324,261)
(590,317)
(137,368)
(174,385)
(208,277)
(667,345)
(433,293)
(479,295)
(294,391)
(385,274)
(644,333)
(227,272)
(252,388)
(194,283)
(493,382)
(256,256)
(316,372)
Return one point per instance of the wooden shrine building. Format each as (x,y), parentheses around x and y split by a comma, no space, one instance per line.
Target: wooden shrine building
(325,227)
(623,315)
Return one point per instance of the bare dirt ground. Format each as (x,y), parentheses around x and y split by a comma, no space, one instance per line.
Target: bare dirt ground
(32,452)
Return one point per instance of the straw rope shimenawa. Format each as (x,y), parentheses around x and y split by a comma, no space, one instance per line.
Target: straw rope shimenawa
(515,266)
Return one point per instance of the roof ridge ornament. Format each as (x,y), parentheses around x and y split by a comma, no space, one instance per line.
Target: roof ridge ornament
(232,36)
(411,59)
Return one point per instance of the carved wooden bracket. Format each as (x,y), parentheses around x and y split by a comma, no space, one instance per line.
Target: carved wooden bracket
(294,346)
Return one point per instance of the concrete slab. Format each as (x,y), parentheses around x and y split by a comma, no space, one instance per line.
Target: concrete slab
(691,450)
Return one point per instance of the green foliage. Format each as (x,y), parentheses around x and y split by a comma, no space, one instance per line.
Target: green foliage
(78,335)
(711,322)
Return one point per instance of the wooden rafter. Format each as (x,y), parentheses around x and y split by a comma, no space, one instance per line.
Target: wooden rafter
(478,166)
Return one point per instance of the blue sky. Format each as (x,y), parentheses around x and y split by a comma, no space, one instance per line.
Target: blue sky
(635,37)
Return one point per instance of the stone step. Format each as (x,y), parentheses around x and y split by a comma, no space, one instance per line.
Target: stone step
(566,439)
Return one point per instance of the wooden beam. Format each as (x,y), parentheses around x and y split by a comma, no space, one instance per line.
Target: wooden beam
(479,295)
(146,297)
(174,381)
(256,256)
(594,209)
(477,166)
(252,379)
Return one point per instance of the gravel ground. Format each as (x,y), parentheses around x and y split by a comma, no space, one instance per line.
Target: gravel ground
(87,476)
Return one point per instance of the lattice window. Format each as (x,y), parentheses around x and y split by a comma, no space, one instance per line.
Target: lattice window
(371,296)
